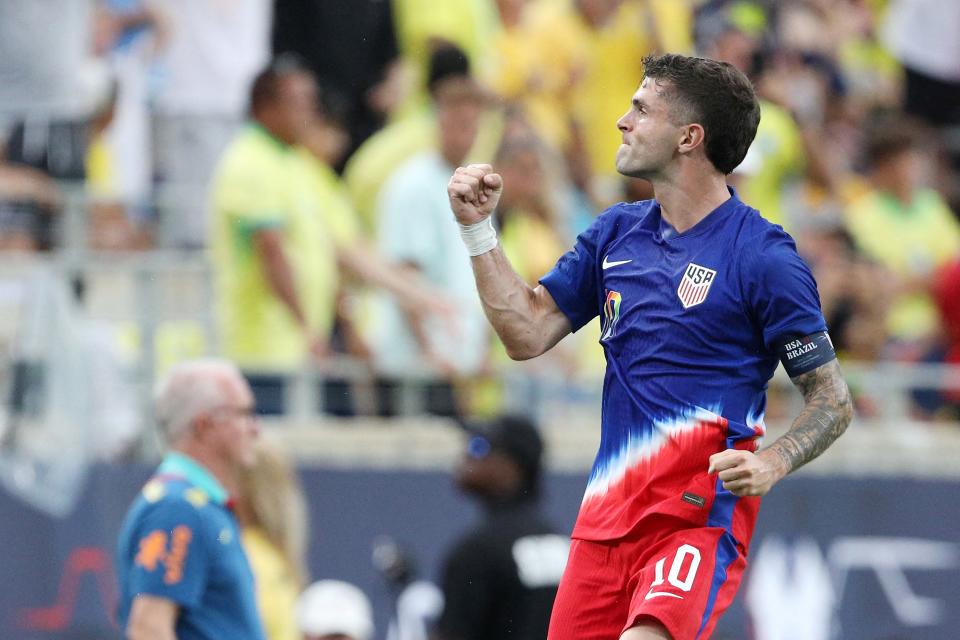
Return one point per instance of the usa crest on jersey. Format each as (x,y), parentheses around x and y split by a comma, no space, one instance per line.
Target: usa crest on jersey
(695,285)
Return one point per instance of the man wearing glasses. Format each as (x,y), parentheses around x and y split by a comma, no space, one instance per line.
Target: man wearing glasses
(182,571)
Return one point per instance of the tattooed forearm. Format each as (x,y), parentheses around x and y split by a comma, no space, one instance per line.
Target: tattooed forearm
(827,411)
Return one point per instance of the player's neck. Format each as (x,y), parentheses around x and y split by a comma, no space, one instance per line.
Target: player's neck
(686,200)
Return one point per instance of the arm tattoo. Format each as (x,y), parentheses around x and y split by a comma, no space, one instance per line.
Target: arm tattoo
(827,411)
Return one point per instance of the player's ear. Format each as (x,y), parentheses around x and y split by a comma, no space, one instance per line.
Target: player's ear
(691,137)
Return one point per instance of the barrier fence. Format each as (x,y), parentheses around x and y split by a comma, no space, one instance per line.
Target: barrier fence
(157,305)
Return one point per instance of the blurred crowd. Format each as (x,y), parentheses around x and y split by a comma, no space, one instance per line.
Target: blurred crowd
(304,146)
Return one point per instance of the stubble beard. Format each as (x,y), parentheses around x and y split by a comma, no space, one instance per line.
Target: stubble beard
(634,169)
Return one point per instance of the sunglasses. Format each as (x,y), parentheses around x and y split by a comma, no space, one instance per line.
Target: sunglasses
(478,447)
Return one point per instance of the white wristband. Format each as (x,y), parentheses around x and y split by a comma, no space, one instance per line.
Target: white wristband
(480,237)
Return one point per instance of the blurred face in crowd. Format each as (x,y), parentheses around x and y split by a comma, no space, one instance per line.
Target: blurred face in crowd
(735,47)
(904,172)
(295,111)
(459,105)
(485,471)
(522,174)
(650,135)
(327,140)
(597,12)
(230,430)
(511,11)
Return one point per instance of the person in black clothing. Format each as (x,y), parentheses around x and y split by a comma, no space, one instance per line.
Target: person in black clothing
(351,48)
(500,579)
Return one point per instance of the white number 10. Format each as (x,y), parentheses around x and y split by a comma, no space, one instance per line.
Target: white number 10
(674,577)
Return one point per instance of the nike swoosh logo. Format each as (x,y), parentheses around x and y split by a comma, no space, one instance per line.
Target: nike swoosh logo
(661,594)
(607,263)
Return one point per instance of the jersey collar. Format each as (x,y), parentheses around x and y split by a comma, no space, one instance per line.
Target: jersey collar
(178,464)
(253,125)
(709,221)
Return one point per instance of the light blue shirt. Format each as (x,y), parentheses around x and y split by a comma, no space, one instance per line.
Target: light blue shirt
(415,225)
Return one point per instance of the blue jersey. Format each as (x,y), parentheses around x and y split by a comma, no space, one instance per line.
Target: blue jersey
(179,541)
(690,327)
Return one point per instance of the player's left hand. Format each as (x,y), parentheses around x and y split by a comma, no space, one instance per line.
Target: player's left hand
(745,473)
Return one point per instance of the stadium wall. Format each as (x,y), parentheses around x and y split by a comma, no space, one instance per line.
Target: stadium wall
(836,556)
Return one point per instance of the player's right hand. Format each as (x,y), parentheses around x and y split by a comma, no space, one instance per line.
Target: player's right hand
(474,192)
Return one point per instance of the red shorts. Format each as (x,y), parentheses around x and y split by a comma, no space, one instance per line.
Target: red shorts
(682,576)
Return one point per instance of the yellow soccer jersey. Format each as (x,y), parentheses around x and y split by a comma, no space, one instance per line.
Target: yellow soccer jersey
(774,159)
(277,588)
(912,241)
(263,184)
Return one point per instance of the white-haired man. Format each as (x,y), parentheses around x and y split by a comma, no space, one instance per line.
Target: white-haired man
(182,571)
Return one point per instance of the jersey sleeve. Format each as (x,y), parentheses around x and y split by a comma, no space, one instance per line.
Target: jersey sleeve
(249,192)
(780,289)
(573,281)
(171,561)
(335,207)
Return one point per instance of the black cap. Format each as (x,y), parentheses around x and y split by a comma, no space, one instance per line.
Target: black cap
(517,437)
(446,61)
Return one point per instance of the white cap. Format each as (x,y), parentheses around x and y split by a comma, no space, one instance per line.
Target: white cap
(331,607)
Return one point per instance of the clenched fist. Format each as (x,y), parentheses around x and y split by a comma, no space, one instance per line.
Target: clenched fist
(474,191)
(745,473)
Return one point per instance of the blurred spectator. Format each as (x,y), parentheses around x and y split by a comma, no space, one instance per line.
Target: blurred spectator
(29,199)
(51,85)
(47,68)
(276,247)
(201,84)
(423,26)
(590,52)
(521,74)
(500,579)
(131,34)
(776,156)
(272,512)
(533,237)
(373,163)
(905,226)
(416,229)
(114,222)
(946,293)
(872,73)
(526,215)
(351,47)
(58,146)
(922,34)
(326,144)
(847,281)
(334,610)
(171,582)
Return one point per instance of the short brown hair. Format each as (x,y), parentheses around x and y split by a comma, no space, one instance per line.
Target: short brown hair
(265,89)
(888,134)
(717,96)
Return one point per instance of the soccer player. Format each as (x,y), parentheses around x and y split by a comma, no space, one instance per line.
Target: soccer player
(700,298)
(182,570)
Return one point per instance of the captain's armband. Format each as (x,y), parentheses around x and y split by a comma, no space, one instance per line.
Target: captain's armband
(802,354)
